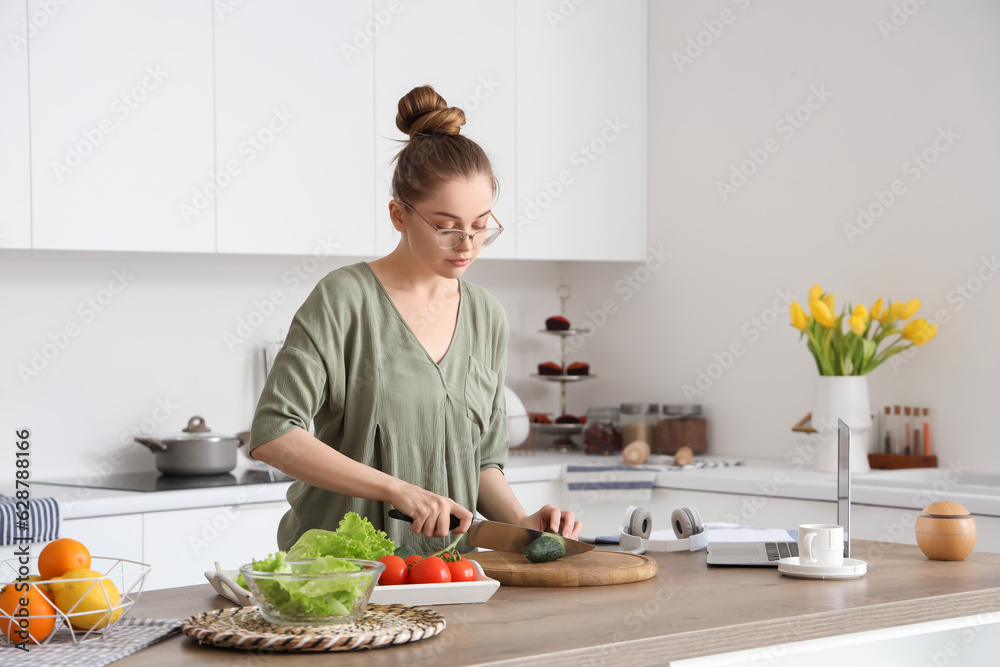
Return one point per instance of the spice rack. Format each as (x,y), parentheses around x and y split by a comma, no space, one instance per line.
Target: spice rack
(563,433)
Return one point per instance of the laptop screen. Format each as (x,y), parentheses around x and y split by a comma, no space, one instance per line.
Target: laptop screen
(844,483)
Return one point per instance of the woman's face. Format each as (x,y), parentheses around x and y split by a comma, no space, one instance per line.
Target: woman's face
(460,204)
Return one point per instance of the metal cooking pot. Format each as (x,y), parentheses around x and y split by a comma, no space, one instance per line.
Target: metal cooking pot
(197,451)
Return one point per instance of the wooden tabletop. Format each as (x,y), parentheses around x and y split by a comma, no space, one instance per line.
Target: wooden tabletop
(688,610)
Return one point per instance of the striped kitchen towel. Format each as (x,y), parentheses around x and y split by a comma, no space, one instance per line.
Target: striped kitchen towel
(667,463)
(124,638)
(42,524)
(618,482)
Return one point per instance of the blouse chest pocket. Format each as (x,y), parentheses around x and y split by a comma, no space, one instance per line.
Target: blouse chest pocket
(480,390)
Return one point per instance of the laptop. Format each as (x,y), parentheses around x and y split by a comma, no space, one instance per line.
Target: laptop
(767,554)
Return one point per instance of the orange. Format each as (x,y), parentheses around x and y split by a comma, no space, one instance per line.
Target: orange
(39,622)
(62,555)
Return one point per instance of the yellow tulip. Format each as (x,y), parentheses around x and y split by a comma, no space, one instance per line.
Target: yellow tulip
(829,301)
(891,313)
(860,312)
(815,292)
(857,324)
(822,313)
(919,331)
(799,318)
(909,309)
(876,311)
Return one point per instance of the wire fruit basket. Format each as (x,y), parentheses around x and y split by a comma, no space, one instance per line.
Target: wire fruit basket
(126,576)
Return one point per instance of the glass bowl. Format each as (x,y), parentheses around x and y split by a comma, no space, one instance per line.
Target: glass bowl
(301,597)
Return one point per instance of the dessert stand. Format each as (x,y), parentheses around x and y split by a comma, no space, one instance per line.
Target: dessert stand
(563,440)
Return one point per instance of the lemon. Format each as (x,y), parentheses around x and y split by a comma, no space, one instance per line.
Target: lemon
(32,578)
(94,595)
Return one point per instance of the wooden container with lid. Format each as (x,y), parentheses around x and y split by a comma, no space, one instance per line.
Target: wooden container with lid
(946,531)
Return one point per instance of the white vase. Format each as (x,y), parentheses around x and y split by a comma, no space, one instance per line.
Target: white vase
(842,397)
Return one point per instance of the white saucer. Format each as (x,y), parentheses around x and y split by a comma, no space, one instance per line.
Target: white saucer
(851,569)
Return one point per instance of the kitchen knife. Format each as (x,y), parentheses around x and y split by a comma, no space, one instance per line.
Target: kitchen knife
(505,537)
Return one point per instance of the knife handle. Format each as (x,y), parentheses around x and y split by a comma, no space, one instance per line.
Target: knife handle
(396,514)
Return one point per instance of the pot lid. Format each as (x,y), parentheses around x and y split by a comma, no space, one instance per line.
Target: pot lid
(197,429)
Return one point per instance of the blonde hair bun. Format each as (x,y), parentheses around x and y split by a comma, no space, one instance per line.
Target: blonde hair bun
(422,112)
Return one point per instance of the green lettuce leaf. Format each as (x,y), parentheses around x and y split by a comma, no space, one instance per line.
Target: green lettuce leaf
(356,537)
(318,597)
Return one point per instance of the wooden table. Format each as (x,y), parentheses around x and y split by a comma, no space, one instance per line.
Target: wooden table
(688,610)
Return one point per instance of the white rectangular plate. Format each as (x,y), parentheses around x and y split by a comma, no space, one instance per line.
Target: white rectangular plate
(462,592)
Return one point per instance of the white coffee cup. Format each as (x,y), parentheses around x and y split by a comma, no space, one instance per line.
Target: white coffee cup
(821,544)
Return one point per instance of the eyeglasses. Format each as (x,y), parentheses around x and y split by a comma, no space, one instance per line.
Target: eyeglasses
(452,238)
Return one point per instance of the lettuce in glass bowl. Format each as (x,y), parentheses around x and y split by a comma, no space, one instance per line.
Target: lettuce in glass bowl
(315,591)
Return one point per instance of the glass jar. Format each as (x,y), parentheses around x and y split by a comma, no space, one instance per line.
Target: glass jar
(603,432)
(639,423)
(681,425)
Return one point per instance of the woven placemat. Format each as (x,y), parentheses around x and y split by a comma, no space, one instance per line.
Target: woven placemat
(382,625)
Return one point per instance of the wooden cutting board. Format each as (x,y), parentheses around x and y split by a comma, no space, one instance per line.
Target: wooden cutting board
(593,568)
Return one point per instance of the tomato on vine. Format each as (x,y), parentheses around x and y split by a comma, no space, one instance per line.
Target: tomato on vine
(395,572)
(430,570)
(462,570)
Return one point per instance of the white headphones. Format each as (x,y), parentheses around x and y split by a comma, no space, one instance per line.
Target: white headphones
(635,532)
(686,522)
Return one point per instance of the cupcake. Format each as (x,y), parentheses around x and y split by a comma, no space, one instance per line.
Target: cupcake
(557,323)
(578,368)
(550,368)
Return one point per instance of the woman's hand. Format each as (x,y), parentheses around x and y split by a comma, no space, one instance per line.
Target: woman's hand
(551,519)
(430,512)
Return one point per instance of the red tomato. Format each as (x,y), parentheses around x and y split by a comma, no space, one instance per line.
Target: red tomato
(462,570)
(395,572)
(412,560)
(431,570)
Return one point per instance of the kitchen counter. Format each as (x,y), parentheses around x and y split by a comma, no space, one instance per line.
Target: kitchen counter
(762,477)
(686,611)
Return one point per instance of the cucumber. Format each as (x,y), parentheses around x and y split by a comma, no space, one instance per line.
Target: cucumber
(546,548)
(404,551)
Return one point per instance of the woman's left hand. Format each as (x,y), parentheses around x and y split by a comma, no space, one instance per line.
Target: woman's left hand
(551,519)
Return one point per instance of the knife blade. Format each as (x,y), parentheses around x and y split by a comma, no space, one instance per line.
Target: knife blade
(504,536)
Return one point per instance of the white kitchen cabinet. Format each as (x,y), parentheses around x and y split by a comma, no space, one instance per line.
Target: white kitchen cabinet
(104,536)
(581,130)
(181,545)
(108,536)
(466,51)
(121,126)
(15,155)
(295,128)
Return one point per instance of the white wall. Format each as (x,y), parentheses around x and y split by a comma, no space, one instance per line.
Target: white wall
(162,336)
(784,229)
(161,340)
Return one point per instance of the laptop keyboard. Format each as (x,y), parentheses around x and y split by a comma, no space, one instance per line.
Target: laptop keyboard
(778,550)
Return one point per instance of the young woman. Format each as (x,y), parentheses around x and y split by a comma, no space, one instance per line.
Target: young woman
(400,363)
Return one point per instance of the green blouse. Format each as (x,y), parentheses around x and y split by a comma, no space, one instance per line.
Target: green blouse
(352,366)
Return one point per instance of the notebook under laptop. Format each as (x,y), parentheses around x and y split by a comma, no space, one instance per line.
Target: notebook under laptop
(767,554)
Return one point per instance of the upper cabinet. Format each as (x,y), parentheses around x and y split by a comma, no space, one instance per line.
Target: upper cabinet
(269,126)
(466,51)
(15,156)
(581,71)
(294,127)
(121,126)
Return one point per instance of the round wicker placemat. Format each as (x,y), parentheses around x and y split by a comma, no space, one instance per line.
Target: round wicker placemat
(382,625)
